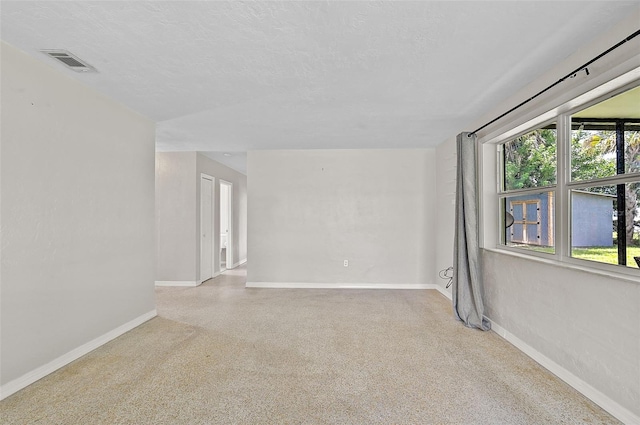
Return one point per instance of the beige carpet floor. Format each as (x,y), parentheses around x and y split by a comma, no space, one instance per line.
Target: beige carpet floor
(223,354)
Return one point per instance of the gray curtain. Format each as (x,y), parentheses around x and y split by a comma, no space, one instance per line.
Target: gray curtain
(467,275)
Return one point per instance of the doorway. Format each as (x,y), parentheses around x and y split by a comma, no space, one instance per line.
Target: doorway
(206,227)
(226,225)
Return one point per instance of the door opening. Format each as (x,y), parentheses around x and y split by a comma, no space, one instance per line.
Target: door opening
(226,225)
(206,228)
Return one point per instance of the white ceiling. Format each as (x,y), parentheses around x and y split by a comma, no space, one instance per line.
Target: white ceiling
(236,76)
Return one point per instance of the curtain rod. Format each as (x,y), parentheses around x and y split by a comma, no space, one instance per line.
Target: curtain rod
(572,74)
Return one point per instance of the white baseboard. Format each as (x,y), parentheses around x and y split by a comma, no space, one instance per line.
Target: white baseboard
(186,283)
(177,283)
(29,378)
(312,285)
(443,291)
(621,413)
(239,263)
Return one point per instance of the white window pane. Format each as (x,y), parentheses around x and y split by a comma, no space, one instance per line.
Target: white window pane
(604,135)
(533,224)
(530,160)
(595,234)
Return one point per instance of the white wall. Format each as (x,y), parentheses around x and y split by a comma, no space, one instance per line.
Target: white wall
(587,325)
(445,210)
(77,219)
(309,210)
(176,228)
(178,215)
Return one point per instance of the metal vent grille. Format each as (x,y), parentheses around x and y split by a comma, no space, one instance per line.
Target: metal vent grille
(71,61)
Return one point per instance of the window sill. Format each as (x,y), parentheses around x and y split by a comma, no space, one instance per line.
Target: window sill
(569,265)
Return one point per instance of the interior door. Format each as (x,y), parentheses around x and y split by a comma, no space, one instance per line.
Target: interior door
(206,228)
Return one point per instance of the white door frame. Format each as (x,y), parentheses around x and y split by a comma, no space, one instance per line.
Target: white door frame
(229,252)
(204,176)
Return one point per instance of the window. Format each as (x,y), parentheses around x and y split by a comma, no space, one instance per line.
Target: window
(528,164)
(530,160)
(583,172)
(605,144)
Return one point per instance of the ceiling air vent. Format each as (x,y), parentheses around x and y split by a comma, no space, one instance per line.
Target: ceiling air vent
(69,60)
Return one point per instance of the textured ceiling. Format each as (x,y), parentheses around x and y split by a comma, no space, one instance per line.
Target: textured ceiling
(236,76)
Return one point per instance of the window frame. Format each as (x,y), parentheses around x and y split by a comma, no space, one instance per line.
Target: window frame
(501,175)
(504,194)
(561,116)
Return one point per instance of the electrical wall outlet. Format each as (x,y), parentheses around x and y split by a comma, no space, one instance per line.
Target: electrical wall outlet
(346,263)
